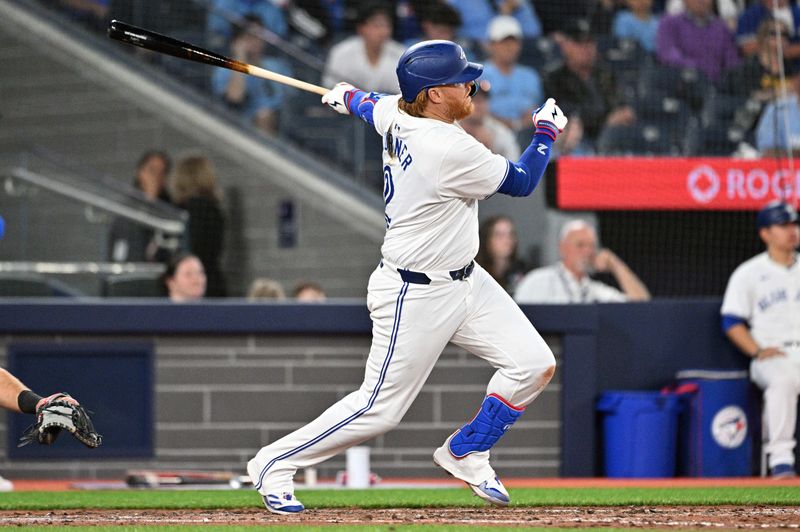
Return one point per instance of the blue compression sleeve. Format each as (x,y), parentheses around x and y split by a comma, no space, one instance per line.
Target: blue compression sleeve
(524,175)
(361,104)
(729,320)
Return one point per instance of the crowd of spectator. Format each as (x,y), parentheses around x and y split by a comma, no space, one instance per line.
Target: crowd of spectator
(603,60)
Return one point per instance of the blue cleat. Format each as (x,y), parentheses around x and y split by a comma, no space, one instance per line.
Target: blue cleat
(474,470)
(783,471)
(491,491)
(284,504)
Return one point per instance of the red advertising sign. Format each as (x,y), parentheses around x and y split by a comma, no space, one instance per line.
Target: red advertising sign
(651,183)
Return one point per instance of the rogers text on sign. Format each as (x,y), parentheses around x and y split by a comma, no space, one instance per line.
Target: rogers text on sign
(674,183)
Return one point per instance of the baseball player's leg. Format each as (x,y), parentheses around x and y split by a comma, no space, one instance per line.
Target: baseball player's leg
(498,332)
(501,334)
(779,377)
(409,333)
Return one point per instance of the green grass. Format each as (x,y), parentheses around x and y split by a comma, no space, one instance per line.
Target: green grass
(403,498)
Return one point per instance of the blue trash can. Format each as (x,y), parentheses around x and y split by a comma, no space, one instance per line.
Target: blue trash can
(640,433)
(715,439)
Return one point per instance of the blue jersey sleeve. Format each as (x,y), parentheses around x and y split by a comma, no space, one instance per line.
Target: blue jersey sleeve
(524,175)
(729,320)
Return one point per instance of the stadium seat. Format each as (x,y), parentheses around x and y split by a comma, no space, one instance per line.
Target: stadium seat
(33,285)
(318,129)
(541,54)
(643,138)
(626,60)
(688,85)
(132,285)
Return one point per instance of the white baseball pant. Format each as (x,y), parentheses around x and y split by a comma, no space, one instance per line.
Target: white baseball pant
(779,377)
(412,323)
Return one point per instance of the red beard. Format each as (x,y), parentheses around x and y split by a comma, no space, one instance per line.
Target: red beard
(458,110)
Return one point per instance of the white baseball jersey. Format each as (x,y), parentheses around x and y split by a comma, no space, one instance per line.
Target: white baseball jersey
(767,295)
(432,182)
(431,188)
(554,284)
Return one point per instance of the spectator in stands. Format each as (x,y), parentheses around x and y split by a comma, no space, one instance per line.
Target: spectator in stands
(476,15)
(637,23)
(263,288)
(568,281)
(749,25)
(489,131)
(369,58)
(779,118)
(259,100)
(184,278)
(225,16)
(437,21)
(16,397)
(132,242)
(696,39)
(516,89)
(586,91)
(759,75)
(498,251)
(195,189)
(761,316)
(728,10)
(309,292)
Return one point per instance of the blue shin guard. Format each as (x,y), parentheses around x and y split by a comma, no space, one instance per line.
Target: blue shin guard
(492,421)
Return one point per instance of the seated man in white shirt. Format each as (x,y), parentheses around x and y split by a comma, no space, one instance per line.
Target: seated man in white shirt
(568,280)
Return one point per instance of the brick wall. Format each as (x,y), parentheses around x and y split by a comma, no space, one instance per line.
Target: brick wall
(220,398)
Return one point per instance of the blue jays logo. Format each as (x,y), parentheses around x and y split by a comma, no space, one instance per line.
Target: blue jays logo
(729,427)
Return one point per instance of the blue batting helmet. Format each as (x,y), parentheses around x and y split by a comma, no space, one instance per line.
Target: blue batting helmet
(776,212)
(431,63)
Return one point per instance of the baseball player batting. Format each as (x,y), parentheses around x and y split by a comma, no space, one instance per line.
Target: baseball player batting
(427,290)
(761,316)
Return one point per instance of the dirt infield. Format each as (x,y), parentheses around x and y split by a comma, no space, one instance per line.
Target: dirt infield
(665,517)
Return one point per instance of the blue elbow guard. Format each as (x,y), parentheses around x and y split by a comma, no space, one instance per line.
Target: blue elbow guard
(519,181)
(493,420)
(361,104)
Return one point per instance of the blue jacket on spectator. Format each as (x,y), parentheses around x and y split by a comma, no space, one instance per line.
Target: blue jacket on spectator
(476,14)
(515,93)
(751,18)
(628,26)
(273,17)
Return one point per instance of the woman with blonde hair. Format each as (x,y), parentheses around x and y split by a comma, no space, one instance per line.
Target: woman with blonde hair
(194,189)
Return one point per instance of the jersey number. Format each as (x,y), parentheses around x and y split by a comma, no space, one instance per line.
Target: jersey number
(388,190)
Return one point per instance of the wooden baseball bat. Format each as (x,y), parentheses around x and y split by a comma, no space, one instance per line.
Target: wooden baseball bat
(151,40)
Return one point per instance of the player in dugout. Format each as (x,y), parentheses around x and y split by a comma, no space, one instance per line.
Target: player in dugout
(427,290)
(761,316)
(54,413)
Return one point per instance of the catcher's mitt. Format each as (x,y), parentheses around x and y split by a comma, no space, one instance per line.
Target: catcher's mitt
(57,412)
